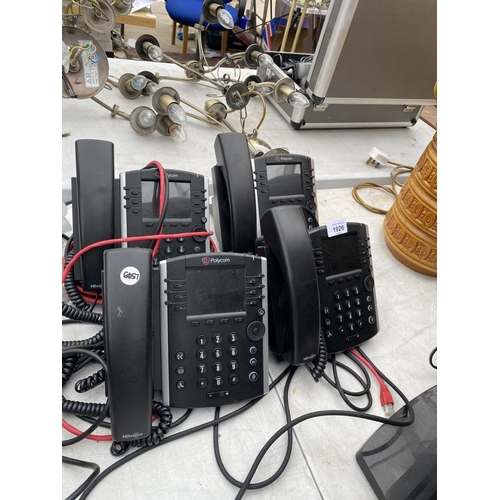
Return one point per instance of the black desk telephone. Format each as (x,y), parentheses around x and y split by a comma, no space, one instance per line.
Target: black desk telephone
(196,325)
(245,188)
(106,208)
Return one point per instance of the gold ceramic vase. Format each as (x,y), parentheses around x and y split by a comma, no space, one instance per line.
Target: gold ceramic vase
(410,226)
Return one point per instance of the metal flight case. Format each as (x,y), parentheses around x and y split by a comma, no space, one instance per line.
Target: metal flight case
(375,65)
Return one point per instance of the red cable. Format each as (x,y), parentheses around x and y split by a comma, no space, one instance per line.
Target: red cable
(77,432)
(130,239)
(161,199)
(386,399)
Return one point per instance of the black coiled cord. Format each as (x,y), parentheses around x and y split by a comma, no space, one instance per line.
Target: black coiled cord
(96,339)
(68,368)
(320,361)
(71,364)
(76,314)
(70,286)
(90,382)
(157,434)
(81,409)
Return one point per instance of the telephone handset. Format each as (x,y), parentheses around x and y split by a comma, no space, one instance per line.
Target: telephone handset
(346,286)
(127,308)
(214,329)
(93,208)
(187,209)
(233,200)
(293,289)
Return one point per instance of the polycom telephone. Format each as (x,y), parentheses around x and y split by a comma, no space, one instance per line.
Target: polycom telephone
(346,286)
(214,326)
(284,179)
(105,208)
(317,283)
(187,209)
(245,188)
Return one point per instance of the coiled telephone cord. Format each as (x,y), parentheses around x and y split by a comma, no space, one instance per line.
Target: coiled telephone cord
(81,409)
(320,361)
(76,314)
(72,291)
(157,433)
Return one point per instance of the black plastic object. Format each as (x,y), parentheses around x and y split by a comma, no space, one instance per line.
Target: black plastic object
(214,337)
(127,302)
(400,463)
(346,286)
(293,287)
(234,198)
(93,208)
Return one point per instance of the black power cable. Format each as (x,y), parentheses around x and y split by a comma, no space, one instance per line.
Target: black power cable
(288,453)
(407,420)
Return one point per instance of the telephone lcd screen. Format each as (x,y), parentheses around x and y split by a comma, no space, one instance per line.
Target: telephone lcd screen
(215,290)
(340,254)
(150,192)
(284,179)
(179,200)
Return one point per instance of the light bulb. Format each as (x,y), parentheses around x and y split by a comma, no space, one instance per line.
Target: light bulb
(264,89)
(177,133)
(155,53)
(225,18)
(264,59)
(146,118)
(138,82)
(151,87)
(298,100)
(176,113)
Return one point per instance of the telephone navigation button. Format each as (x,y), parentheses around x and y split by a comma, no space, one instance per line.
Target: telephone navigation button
(256,331)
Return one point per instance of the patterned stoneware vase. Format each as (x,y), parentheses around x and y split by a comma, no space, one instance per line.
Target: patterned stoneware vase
(410,226)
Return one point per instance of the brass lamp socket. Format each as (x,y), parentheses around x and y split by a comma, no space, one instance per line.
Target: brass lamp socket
(164,125)
(251,54)
(122,8)
(283,88)
(216,109)
(209,10)
(136,126)
(126,89)
(163,97)
(143,43)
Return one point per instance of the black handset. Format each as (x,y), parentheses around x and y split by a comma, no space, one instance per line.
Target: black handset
(285,179)
(346,286)
(245,188)
(293,289)
(187,210)
(127,299)
(214,329)
(93,208)
(233,197)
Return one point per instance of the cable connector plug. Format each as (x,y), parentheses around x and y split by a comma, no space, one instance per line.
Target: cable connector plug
(386,401)
(377,158)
